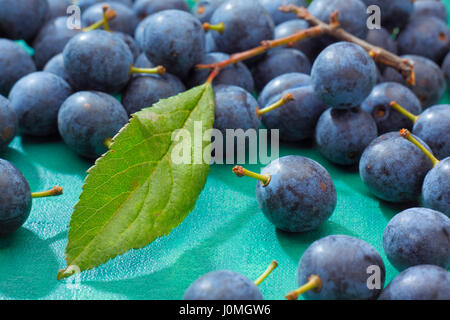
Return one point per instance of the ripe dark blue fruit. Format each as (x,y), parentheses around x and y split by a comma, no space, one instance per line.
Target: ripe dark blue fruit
(204,9)
(125,20)
(247,23)
(144,91)
(51,40)
(273,8)
(418,236)
(36,98)
(429,8)
(98,60)
(343,135)
(446,68)
(15,198)
(343,75)
(85,4)
(236,74)
(174,39)
(378,105)
(144,8)
(394,13)
(8,123)
(210,44)
(428,37)
(278,62)
(393,168)
(424,282)
(15,63)
(436,187)
(352,14)
(56,66)
(22,19)
(87,119)
(226,285)
(296,119)
(235,109)
(383,39)
(130,42)
(282,83)
(337,269)
(310,47)
(295,193)
(430,80)
(58,8)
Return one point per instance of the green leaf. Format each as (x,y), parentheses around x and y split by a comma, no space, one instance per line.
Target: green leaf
(135,193)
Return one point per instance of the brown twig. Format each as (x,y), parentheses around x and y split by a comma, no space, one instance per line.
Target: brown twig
(318,28)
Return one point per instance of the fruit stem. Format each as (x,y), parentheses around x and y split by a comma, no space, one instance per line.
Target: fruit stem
(220,27)
(266,273)
(156,70)
(108,142)
(285,99)
(241,172)
(407,135)
(55,191)
(314,283)
(108,14)
(394,105)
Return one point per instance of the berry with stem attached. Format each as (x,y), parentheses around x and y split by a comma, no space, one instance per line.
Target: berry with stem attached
(295,193)
(15,198)
(436,185)
(335,268)
(432,126)
(227,285)
(282,83)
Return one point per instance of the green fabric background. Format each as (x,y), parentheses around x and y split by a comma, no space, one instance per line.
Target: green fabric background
(225,231)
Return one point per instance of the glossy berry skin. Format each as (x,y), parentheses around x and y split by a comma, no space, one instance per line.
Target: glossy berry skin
(300,196)
(429,8)
(378,105)
(22,19)
(424,282)
(428,37)
(394,13)
(144,91)
(310,47)
(236,74)
(36,99)
(352,14)
(87,118)
(446,67)
(222,285)
(278,62)
(247,23)
(51,40)
(436,187)
(430,80)
(235,109)
(98,60)
(341,262)
(433,127)
(15,63)
(418,236)
(85,4)
(15,199)
(144,8)
(56,66)
(342,135)
(281,83)
(382,38)
(174,39)
(8,123)
(125,20)
(204,9)
(58,8)
(273,8)
(393,168)
(343,75)
(296,119)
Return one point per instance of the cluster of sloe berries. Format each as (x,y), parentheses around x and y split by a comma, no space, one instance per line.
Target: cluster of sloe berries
(85,84)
